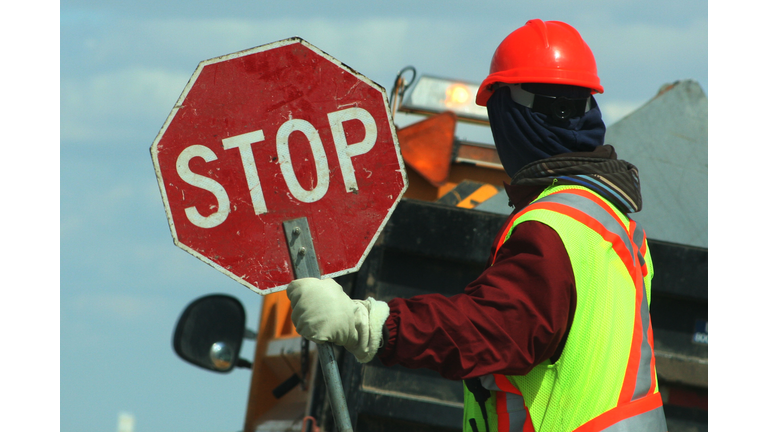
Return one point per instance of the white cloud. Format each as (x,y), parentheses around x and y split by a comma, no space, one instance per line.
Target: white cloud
(643,42)
(71,225)
(369,43)
(115,103)
(634,59)
(117,306)
(99,107)
(109,202)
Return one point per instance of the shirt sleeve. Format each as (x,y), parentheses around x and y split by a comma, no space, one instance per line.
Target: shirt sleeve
(511,318)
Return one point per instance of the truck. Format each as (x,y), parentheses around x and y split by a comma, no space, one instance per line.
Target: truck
(438,240)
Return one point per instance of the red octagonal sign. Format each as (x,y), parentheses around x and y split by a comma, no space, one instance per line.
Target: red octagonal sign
(272,134)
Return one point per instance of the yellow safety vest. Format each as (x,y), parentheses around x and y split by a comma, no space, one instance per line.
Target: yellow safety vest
(605,378)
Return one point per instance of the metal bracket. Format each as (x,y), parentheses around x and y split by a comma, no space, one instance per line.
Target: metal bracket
(302,250)
(304,261)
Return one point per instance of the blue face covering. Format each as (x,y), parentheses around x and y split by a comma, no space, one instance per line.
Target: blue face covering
(523,136)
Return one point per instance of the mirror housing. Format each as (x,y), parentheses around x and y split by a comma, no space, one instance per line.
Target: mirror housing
(210,332)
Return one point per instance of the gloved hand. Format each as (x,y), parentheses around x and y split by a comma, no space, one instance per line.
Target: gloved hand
(323,312)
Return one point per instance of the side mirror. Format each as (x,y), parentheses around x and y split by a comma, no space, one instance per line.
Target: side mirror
(210,331)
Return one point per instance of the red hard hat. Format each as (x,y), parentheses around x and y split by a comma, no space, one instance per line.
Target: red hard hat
(550,52)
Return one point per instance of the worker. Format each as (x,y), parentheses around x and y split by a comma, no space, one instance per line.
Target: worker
(555,334)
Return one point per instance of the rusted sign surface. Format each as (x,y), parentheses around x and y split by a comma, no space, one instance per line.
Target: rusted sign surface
(270,134)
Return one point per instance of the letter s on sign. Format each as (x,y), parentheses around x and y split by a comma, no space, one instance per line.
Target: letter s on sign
(212,186)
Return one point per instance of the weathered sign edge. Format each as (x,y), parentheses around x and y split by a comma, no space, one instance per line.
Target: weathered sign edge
(179,104)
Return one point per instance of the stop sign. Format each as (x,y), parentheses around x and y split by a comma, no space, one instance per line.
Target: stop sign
(271,134)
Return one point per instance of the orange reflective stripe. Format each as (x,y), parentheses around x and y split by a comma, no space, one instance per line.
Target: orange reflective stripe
(502,414)
(638,237)
(653,360)
(616,241)
(528,426)
(504,385)
(533,206)
(623,412)
(508,420)
(504,236)
(644,382)
(643,248)
(590,196)
(639,379)
(603,228)
(637,393)
(508,400)
(639,352)
(631,374)
(649,421)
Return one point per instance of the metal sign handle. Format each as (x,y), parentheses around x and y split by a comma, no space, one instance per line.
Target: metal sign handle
(304,261)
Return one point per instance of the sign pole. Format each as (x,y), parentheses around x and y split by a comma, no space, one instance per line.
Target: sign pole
(304,261)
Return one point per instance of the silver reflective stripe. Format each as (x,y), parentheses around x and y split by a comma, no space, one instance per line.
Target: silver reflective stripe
(489,383)
(651,421)
(594,210)
(643,381)
(637,239)
(516,412)
(515,404)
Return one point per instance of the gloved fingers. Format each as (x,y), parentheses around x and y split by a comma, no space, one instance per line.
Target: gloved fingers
(322,311)
(314,290)
(312,326)
(298,287)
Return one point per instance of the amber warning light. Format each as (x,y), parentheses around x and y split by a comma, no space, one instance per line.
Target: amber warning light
(432,95)
(456,96)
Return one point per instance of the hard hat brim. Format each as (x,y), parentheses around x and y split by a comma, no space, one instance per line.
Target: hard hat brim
(543,76)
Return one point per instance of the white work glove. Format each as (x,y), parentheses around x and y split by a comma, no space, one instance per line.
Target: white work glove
(323,312)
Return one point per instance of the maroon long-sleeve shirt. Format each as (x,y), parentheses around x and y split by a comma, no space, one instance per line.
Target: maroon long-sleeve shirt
(515,315)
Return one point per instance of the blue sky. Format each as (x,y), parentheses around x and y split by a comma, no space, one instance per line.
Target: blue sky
(123,65)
